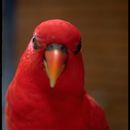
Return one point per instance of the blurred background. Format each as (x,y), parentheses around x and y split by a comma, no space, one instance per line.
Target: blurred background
(104,28)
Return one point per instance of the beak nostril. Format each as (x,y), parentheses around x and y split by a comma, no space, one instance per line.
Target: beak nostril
(54,61)
(53,46)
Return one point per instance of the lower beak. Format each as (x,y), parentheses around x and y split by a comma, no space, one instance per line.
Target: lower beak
(54,64)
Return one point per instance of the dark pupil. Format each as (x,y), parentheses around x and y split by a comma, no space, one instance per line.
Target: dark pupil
(78,47)
(35,46)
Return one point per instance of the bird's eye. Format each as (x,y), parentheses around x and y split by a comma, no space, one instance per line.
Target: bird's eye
(35,43)
(78,48)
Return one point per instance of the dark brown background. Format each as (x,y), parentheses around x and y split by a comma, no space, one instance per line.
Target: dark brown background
(103,25)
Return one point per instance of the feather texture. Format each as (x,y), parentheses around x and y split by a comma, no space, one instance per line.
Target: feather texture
(33,105)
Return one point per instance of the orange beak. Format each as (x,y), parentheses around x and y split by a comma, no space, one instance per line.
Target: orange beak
(54,64)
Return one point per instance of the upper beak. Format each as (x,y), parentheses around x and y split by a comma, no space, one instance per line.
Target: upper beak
(54,64)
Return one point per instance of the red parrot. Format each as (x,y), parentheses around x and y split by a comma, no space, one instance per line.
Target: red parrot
(47,91)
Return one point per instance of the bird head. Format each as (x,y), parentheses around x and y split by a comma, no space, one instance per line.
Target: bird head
(56,44)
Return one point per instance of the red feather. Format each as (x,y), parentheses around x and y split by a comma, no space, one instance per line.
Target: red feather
(33,105)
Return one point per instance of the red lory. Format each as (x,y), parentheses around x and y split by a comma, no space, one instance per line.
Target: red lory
(47,91)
